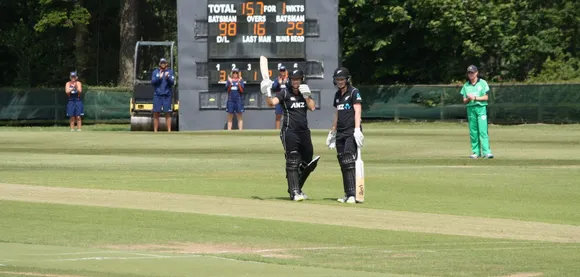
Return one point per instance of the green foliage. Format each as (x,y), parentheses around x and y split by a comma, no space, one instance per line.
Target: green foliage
(53,18)
(433,41)
(383,41)
(61,16)
(563,67)
(42,40)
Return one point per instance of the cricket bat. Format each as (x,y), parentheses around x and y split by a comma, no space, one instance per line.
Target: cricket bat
(360,177)
(264,68)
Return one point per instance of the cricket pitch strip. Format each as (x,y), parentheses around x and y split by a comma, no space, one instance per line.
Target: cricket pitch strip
(358,217)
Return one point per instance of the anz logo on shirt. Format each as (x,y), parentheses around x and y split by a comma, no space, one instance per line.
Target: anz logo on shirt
(297,105)
(343,107)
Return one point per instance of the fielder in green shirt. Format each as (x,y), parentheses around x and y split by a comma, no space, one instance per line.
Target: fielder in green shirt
(475,95)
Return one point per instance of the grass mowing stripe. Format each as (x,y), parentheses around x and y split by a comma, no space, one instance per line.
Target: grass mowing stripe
(298,212)
(534,178)
(402,161)
(312,247)
(36,224)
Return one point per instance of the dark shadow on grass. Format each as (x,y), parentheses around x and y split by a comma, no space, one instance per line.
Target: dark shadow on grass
(112,129)
(330,199)
(271,198)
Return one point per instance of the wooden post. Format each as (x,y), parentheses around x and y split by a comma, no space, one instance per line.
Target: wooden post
(397,111)
(441,111)
(540,106)
(396,116)
(55,107)
(492,102)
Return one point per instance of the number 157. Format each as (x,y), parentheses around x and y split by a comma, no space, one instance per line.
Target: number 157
(248,8)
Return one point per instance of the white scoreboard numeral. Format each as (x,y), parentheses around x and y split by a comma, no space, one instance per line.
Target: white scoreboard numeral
(296,65)
(233,66)
(249,66)
(217,66)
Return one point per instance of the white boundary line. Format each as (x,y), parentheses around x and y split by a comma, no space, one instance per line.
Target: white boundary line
(529,167)
(469,243)
(145,256)
(479,249)
(73,253)
(149,255)
(215,252)
(305,249)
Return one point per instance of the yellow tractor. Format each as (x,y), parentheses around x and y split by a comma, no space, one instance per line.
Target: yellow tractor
(147,55)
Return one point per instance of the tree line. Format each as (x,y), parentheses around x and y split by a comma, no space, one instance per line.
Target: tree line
(382,41)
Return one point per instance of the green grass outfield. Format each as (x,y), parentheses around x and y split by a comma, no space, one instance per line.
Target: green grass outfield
(108,202)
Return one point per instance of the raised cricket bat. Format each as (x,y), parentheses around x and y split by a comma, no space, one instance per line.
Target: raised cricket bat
(264,68)
(360,177)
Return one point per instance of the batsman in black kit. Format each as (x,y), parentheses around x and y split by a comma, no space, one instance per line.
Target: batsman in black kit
(346,132)
(295,101)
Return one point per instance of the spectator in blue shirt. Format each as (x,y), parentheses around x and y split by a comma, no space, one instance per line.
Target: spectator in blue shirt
(162,80)
(235,87)
(74,107)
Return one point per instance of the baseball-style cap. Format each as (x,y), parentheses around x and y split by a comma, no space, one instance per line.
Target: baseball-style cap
(73,74)
(472,68)
(236,70)
(163,60)
(282,68)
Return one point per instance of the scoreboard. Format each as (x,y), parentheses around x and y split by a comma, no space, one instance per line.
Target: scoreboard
(250,70)
(217,36)
(249,29)
(240,31)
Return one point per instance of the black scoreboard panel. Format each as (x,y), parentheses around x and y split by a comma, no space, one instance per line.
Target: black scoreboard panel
(216,98)
(218,72)
(218,35)
(241,29)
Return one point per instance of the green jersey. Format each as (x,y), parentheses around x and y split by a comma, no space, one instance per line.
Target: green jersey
(478,90)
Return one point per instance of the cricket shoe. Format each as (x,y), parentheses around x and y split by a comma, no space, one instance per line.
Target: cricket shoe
(298,197)
(473,156)
(300,193)
(488,156)
(347,199)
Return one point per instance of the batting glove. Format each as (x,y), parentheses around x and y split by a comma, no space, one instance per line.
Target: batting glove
(305,90)
(331,140)
(265,87)
(358,137)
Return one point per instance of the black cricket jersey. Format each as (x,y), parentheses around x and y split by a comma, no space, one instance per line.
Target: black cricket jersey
(344,104)
(295,111)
